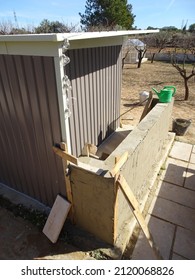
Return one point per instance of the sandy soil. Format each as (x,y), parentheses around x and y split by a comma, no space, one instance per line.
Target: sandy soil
(21,240)
(156,75)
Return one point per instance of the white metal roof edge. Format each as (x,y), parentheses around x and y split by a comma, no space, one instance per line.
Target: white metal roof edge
(57,37)
(49,37)
(105,34)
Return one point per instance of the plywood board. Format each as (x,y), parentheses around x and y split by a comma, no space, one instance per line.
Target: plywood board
(56,218)
(94,199)
(147,107)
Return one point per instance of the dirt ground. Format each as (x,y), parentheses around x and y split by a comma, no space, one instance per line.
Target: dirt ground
(21,240)
(156,75)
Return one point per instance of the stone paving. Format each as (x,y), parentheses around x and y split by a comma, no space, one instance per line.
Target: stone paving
(171,217)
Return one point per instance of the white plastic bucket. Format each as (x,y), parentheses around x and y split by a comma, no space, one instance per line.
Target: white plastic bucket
(143,96)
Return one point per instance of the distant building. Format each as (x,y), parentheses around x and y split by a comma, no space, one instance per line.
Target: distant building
(129,51)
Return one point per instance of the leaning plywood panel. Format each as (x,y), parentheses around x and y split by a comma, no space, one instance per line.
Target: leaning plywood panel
(56,218)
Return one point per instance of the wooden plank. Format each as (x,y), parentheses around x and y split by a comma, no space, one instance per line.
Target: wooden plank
(56,218)
(119,161)
(65,155)
(147,106)
(128,192)
(63,146)
(138,215)
(116,188)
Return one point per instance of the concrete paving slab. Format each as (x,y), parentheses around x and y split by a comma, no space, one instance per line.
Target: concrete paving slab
(177,194)
(173,212)
(175,171)
(173,204)
(177,257)
(181,151)
(162,233)
(184,244)
(190,177)
(192,158)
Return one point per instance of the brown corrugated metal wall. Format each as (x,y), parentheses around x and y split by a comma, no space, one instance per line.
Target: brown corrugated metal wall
(29,126)
(95,75)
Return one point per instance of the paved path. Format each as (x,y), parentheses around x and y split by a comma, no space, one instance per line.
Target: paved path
(171,217)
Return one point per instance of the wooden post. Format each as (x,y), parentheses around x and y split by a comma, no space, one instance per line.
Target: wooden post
(119,161)
(66,157)
(147,106)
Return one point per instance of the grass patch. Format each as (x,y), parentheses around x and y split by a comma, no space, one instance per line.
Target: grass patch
(36,217)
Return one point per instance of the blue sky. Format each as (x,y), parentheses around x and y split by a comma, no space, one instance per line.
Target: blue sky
(148,12)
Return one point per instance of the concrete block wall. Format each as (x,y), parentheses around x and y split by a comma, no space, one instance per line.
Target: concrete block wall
(97,208)
(145,147)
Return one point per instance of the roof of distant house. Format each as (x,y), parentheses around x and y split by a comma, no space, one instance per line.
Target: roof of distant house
(134,42)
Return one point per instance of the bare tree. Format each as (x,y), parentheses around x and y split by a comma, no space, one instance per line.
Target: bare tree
(141,52)
(6,27)
(157,42)
(183,59)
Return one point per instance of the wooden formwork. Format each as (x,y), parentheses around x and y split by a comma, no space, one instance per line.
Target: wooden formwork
(119,183)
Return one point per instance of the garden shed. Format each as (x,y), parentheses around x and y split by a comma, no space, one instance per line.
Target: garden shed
(58,88)
(129,50)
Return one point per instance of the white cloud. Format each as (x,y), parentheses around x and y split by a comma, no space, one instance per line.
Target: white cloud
(170,4)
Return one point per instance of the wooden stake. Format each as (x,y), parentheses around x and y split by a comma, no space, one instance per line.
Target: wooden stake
(147,106)
(119,161)
(66,159)
(137,213)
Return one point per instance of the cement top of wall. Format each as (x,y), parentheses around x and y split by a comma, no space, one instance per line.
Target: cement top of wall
(48,44)
(129,144)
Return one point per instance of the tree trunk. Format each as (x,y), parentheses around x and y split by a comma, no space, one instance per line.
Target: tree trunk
(152,59)
(186,88)
(139,63)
